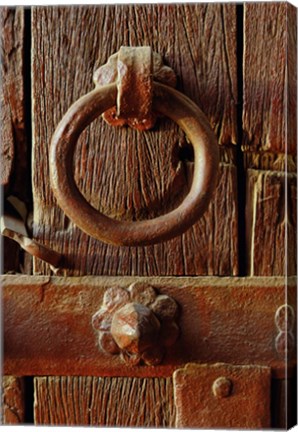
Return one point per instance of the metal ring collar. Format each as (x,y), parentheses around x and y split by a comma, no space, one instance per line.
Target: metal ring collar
(168,102)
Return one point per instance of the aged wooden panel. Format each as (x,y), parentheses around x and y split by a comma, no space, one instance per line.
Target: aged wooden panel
(48,328)
(12,102)
(222,396)
(123,173)
(13,400)
(126,402)
(269,139)
(13,146)
(269,143)
(291,108)
(271,223)
(269,78)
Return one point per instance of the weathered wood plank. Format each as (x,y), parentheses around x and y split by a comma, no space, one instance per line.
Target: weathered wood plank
(123,173)
(13,145)
(291,114)
(12,102)
(269,78)
(126,402)
(13,400)
(48,329)
(271,223)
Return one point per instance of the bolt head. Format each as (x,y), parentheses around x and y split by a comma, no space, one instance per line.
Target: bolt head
(135,328)
(222,387)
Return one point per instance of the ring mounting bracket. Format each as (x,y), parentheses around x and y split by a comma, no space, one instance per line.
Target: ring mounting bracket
(133,69)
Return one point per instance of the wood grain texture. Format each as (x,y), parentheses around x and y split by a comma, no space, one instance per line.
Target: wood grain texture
(269,77)
(12,102)
(269,123)
(126,402)
(48,324)
(13,400)
(291,108)
(123,173)
(270,143)
(271,213)
(13,145)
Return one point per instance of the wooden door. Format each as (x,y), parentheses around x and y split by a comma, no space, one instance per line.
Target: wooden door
(237,63)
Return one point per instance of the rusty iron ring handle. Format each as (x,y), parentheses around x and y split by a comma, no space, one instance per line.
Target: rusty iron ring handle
(168,102)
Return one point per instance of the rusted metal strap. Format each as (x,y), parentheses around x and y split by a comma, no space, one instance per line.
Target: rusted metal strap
(231,320)
(135,83)
(134,69)
(13,225)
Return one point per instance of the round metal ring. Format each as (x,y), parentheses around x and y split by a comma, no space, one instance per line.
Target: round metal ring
(168,102)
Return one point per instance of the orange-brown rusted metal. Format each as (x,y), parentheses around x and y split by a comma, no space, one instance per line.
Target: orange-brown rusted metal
(168,102)
(133,69)
(222,396)
(48,326)
(14,228)
(136,323)
(222,387)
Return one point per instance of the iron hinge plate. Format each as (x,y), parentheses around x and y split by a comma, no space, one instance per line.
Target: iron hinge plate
(222,395)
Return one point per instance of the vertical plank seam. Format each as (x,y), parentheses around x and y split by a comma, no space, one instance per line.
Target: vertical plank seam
(241,172)
(253,224)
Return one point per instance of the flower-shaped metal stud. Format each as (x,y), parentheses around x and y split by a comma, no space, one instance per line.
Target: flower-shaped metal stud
(136,323)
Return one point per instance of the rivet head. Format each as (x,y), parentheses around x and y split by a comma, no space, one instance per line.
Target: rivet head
(222,387)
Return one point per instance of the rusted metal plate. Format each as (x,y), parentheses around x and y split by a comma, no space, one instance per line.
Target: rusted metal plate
(48,324)
(222,396)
